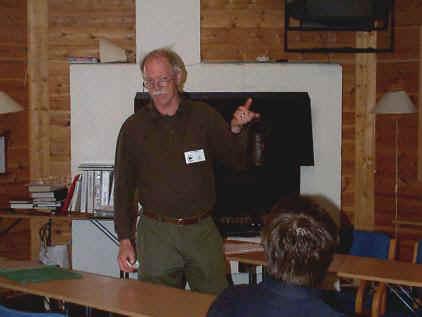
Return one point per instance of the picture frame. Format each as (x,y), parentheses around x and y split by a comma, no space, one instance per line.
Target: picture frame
(2,154)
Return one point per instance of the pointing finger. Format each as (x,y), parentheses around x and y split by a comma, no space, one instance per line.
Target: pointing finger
(248,103)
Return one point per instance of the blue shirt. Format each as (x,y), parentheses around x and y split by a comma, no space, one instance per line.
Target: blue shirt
(270,298)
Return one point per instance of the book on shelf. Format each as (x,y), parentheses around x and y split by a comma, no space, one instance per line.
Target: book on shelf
(104,211)
(52,204)
(67,201)
(75,203)
(44,187)
(58,194)
(21,204)
(111,193)
(84,190)
(43,199)
(24,201)
(105,187)
(90,191)
(96,166)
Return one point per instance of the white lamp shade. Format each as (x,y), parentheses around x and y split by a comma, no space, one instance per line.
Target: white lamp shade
(395,102)
(7,104)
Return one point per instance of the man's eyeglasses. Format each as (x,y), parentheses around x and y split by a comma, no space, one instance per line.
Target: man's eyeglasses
(160,82)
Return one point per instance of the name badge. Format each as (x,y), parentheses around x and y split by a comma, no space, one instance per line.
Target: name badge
(194,156)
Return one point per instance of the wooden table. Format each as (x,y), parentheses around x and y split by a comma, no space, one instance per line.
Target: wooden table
(349,266)
(127,297)
(387,271)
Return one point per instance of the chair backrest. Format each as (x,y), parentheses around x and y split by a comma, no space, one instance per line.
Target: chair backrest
(417,258)
(372,244)
(8,312)
(417,254)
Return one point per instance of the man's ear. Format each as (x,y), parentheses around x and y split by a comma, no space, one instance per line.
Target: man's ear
(178,77)
(180,80)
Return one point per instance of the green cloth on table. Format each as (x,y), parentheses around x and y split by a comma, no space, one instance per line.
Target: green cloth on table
(38,274)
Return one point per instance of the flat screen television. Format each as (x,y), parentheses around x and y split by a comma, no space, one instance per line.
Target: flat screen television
(283,138)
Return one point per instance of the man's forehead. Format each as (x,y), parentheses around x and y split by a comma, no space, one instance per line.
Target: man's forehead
(157,62)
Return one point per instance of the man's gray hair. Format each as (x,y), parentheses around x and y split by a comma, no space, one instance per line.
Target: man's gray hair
(173,58)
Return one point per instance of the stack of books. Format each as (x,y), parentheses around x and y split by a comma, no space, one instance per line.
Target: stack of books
(47,197)
(82,59)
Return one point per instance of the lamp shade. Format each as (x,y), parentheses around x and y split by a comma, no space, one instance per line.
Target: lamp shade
(395,102)
(7,104)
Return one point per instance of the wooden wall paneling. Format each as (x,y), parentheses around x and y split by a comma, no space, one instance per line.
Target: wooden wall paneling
(240,32)
(38,89)
(405,46)
(420,108)
(365,133)
(15,244)
(398,74)
(74,30)
(13,48)
(408,12)
(59,86)
(348,140)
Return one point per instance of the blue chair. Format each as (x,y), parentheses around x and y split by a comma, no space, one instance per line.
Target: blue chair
(417,258)
(356,297)
(406,301)
(8,312)
(417,253)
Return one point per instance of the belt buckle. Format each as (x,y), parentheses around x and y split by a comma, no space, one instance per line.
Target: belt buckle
(180,221)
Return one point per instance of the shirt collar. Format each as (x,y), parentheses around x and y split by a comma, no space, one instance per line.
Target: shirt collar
(157,115)
(292,290)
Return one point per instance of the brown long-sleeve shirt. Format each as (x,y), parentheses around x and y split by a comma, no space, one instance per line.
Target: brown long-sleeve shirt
(152,156)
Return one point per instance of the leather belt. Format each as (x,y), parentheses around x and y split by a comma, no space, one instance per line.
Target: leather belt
(178,221)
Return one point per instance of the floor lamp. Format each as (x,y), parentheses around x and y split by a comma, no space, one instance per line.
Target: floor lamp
(395,102)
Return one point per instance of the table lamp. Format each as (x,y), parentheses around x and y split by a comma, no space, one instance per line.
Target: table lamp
(395,102)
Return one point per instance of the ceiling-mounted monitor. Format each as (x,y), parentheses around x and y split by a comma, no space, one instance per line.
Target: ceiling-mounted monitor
(339,16)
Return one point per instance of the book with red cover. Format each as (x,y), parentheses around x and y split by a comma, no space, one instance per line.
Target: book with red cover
(65,207)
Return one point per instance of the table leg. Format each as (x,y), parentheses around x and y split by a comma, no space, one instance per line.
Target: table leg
(252,274)
(88,311)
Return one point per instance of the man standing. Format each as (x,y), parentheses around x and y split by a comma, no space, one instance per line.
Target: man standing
(165,153)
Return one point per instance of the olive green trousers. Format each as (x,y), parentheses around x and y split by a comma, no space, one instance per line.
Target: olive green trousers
(172,255)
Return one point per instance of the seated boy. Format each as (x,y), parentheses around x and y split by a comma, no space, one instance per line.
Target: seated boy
(299,244)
